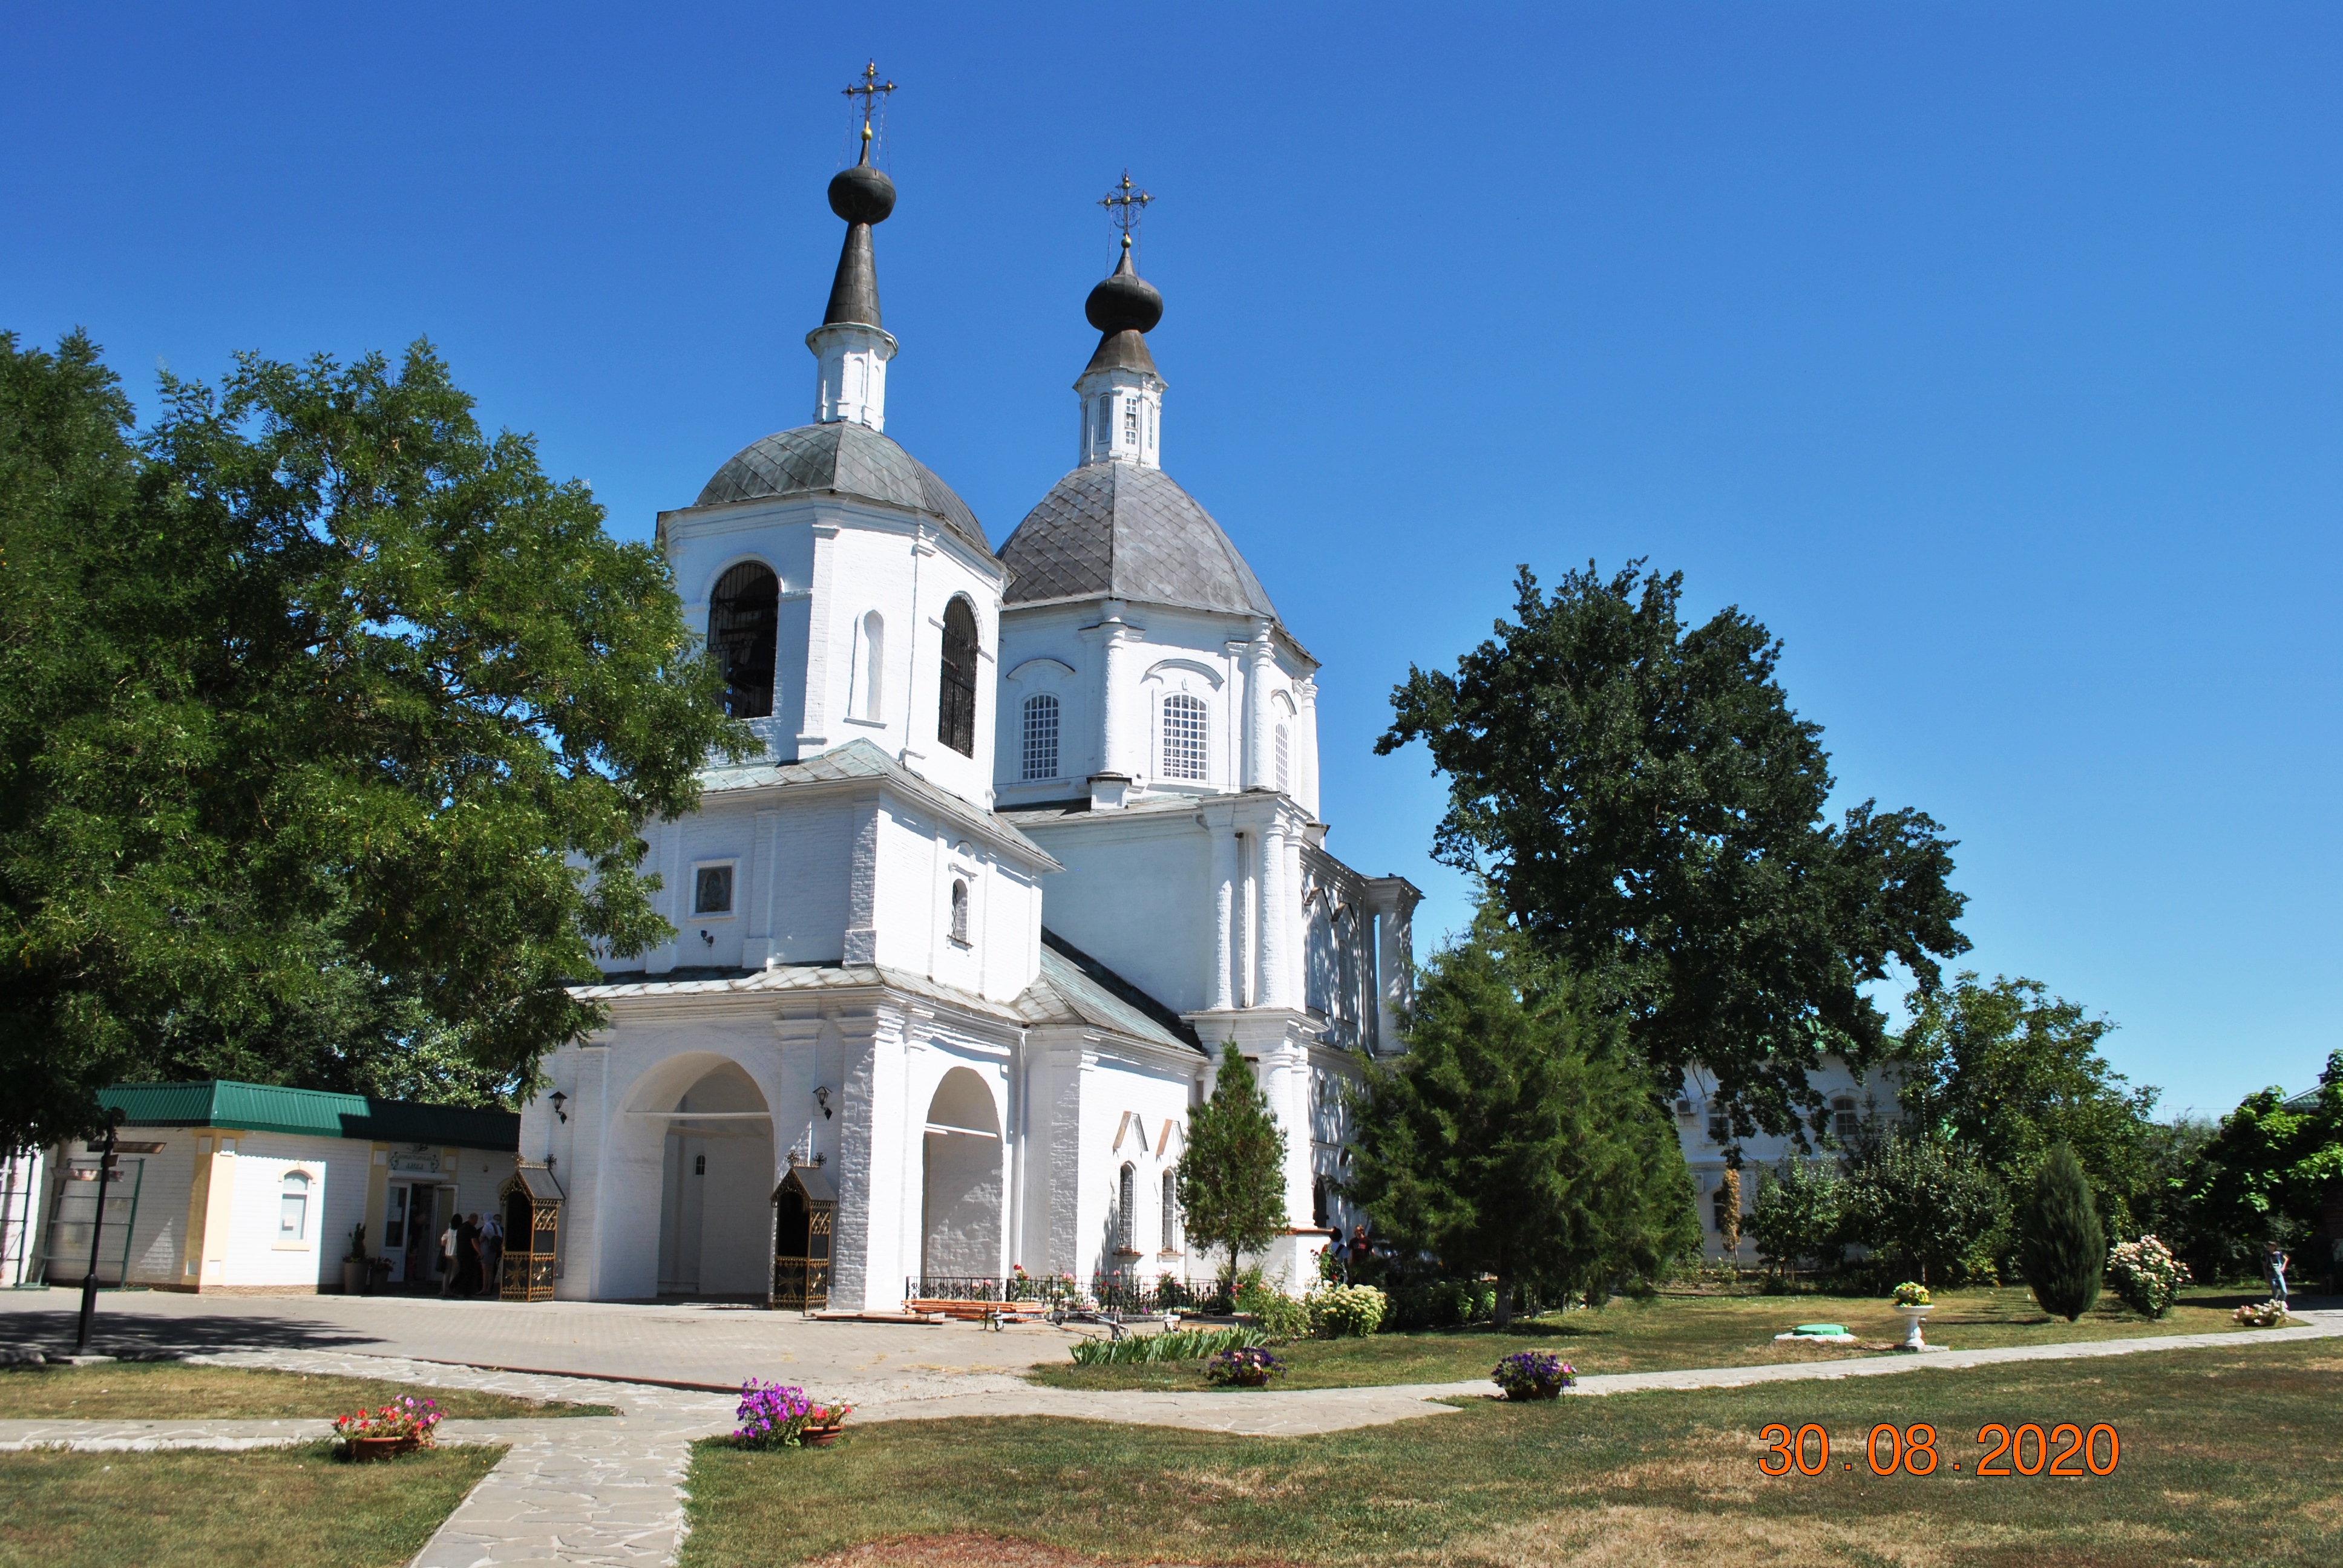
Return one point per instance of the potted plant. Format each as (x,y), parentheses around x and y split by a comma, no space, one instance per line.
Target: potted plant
(399,1427)
(1244,1366)
(1913,1302)
(1534,1374)
(777,1415)
(353,1262)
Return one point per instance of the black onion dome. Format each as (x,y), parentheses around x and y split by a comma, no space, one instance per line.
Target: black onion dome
(841,459)
(862,195)
(1119,530)
(1125,302)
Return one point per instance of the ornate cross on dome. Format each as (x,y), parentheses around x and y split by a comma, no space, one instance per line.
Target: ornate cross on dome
(1123,206)
(870,90)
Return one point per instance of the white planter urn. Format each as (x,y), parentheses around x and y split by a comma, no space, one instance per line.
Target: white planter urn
(1913,1318)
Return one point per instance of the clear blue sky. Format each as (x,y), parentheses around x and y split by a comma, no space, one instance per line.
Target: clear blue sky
(1988,354)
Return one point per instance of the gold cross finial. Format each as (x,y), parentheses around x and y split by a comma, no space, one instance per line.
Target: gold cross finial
(1123,206)
(870,90)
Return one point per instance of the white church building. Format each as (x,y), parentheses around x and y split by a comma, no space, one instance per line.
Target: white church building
(1033,831)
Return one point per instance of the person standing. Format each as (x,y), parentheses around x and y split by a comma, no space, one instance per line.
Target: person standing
(492,1255)
(448,1238)
(467,1256)
(2276,1261)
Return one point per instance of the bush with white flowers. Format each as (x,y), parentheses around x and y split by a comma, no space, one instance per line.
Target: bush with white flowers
(2146,1276)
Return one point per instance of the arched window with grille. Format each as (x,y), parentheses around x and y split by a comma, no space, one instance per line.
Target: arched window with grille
(956,688)
(1040,753)
(1126,1217)
(1846,1123)
(293,1206)
(960,912)
(1186,749)
(743,618)
(1170,1211)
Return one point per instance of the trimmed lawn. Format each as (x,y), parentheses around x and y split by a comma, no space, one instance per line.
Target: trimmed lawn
(1675,1330)
(267,1508)
(2228,1456)
(174,1390)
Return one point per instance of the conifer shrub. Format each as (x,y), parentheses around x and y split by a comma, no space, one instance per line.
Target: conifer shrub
(2061,1246)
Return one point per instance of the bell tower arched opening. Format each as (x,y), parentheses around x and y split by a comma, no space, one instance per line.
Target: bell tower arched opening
(960,1212)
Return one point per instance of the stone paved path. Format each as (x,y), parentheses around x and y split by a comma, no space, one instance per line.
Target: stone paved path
(605,1491)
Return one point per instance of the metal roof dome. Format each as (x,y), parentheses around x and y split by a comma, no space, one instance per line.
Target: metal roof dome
(841,459)
(1119,530)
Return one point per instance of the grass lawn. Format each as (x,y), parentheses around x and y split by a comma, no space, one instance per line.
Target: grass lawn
(174,1390)
(2228,1456)
(268,1508)
(1678,1330)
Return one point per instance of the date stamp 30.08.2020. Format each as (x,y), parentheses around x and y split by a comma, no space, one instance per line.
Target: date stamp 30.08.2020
(2064,1450)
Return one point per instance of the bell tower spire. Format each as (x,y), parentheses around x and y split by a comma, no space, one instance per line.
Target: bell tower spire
(1122,394)
(851,346)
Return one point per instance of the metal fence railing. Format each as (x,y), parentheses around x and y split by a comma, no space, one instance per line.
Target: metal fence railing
(1116,1293)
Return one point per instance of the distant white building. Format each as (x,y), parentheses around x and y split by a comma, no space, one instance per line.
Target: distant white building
(222,1188)
(1033,832)
(1850,1100)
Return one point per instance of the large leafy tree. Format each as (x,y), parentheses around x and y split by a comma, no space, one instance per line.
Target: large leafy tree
(1515,1138)
(1646,804)
(1231,1179)
(329,727)
(1925,1206)
(2008,1071)
(2266,1174)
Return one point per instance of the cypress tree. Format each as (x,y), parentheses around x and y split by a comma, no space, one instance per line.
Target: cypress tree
(1231,1178)
(2064,1252)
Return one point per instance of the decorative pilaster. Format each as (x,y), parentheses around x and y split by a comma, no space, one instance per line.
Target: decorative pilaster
(1226,895)
(1270,983)
(820,607)
(1261,722)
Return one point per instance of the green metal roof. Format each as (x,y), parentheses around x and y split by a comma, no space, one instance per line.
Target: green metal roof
(264,1108)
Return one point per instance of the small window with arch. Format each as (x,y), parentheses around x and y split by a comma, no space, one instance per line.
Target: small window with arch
(1847,1122)
(1126,1218)
(1040,737)
(960,910)
(1186,750)
(293,1206)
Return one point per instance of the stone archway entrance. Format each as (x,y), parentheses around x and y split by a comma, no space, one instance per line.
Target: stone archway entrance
(716,1186)
(961,1207)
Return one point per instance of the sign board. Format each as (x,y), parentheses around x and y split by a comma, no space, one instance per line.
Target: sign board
(416,1162)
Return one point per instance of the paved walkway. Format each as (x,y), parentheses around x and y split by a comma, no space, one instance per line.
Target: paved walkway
(606,1491)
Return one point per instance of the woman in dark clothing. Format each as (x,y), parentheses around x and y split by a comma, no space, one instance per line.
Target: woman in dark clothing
(467,1257)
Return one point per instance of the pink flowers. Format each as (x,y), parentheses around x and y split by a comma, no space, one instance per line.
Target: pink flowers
(408,1417)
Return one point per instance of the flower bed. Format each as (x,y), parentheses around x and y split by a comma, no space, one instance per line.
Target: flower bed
(776,1416)
(2268,1314)
(1534,1374)
(1249,1366)
(399,1427)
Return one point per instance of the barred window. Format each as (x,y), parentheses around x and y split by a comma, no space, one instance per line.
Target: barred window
(1184,748)
(743,624)
(956,696)
(1284,762)
(1040,737)
(1170,1211)
(1126,1221)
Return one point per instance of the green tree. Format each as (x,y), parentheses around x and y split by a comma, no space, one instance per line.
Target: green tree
(2007,1070)
(328,729)
(1925,1206)
(1646,804)
(1799,1214)
(1231,1176)
(2061,1245)
(1517,1138)
(2266,1173)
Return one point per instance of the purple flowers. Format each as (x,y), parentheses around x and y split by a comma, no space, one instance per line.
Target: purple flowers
(1248,1366)
(1534,1374)
(776,1415)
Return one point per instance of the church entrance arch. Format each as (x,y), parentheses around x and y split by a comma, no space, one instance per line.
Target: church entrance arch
(961,1208)
(715,1144)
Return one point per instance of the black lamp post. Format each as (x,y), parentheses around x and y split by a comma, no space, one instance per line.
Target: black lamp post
(96,1229)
